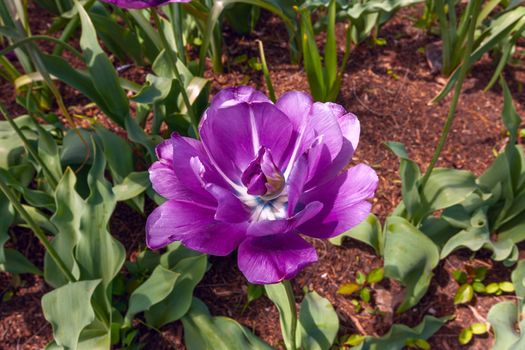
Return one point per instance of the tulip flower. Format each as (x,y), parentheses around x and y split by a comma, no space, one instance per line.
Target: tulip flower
(263,177)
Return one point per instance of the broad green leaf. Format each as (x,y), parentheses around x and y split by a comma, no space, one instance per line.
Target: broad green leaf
(191,271)
(15,262)
(58,306)
(155,289)
(69,206)
(48,152)
(518,279)
(396,338)
(101,70)
(285,304)
(410,257)
(503,319)
(8,216)
(369,232)
(410,174)
(99,255)
(204,332)
(318,323)
(446,187)
(118,153)
(156,89)
(132,185)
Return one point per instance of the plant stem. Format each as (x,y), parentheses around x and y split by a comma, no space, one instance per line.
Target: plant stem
(172,57)
(266,72)
(453,104)
(37,230)
(291,300)
(49,175)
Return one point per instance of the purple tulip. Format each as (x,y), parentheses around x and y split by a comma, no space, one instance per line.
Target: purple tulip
(263,175)
(141,4)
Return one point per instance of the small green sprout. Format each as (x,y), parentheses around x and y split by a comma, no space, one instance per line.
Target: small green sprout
(466,334)
(361,287)
(470,282)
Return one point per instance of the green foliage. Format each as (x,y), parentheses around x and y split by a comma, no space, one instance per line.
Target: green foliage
(318,323)
(400,336)
(410,257)
(369,232)
(504,317)
(57,306)
(203,331)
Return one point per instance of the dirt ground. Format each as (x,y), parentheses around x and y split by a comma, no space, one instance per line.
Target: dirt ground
(389,88)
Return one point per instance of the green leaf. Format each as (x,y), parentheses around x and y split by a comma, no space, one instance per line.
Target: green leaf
(410,257)
(507,287)
(465,336)
(156,89)
(510,116)
(479,287)
(422,344)
(478,328)
(348,288)
(7,215)
(118,153)
(480,273)
(503,319)
(459,276)
(132,185)
(204,332)
(102,72)
(375,276)
(48,152)
(518,279)
(464,294)
(318,323)
(191,271)
(364,294)
(446,187)
(354,340)
(397,336)
(155,289)
(15,262)
(410,174)
(368,231)
(285,304)
(492,288)
(58,306)
(254,292)
(360,278)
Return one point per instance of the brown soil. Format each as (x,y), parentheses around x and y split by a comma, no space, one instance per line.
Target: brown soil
(389,88)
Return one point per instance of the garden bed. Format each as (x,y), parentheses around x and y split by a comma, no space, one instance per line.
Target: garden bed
(389,88)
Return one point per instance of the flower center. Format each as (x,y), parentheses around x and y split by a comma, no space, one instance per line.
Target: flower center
(264,183)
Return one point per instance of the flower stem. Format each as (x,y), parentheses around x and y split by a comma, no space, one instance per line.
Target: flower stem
(464,69)
(291,300)
(172,58)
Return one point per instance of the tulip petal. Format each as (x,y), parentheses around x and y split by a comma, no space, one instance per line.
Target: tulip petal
(194,225)
(229,207)
(233,135)
(271,259)
(345,200)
